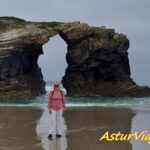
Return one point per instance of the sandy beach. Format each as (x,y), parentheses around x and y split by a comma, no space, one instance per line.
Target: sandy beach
(26,127)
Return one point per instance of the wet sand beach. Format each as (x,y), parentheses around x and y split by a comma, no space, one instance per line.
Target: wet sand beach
(26,127)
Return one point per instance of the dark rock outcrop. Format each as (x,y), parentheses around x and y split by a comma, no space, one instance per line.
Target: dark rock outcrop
(97,60)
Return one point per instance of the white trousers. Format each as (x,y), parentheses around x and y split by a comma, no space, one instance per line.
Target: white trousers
(56,126)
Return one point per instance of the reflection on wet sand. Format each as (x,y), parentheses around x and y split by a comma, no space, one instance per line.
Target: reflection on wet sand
(87,125)
(141,122)
(17,128)
(55,144)
(43,126)
(26,128)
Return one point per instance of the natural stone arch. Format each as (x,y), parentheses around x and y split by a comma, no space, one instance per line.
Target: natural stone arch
(97,60)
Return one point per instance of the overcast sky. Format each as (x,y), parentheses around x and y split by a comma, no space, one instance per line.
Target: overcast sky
(130,17)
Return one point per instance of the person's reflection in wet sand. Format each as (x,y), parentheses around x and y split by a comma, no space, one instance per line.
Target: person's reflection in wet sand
(43,126)
(58,144)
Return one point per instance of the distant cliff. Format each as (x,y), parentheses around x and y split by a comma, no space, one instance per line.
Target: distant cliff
(97,59)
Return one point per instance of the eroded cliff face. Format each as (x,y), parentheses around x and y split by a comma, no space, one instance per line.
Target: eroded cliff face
(97,60)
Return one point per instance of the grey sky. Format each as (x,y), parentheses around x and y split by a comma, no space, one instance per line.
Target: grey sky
(130,17)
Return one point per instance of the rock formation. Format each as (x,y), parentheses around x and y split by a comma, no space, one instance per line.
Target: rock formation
(97,59)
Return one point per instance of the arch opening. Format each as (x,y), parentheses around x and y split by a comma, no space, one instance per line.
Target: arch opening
(53,61)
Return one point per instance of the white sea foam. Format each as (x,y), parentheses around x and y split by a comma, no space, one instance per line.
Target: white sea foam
(42,106)
(41,101)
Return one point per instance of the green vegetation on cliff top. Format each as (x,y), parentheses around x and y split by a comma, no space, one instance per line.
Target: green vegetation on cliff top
(9,18)
(7,22)
(44,25)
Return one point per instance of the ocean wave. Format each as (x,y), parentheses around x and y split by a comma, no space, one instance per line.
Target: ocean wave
(79,101)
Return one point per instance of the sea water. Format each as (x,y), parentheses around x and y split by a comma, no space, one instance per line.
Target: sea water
(80,101)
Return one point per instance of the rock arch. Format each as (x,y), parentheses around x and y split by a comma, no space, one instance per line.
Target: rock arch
(97,59)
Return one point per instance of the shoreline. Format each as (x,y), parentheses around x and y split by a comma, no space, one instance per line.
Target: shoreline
(93,105)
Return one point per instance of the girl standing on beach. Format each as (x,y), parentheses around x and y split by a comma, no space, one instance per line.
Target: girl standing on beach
(56,106)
